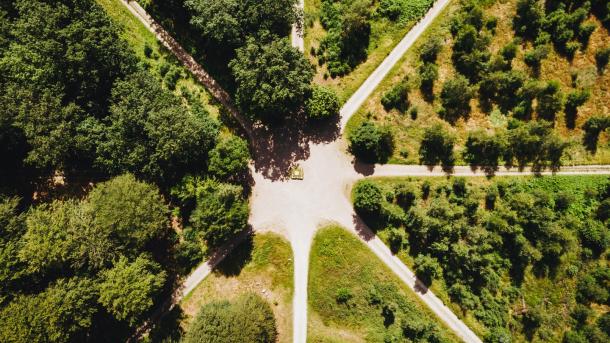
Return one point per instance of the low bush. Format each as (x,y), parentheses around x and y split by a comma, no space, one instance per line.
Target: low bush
(371,143)
(323,103)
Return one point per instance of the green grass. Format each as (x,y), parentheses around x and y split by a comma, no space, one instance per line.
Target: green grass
(408,133)
(554,293)
(385,34)
(262,265)
(138,36)
(340,261)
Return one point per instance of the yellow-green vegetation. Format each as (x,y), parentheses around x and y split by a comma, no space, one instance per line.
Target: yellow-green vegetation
(385,33)
(512,256)
(353,297)
(262,265)
(572,75)
(156,58)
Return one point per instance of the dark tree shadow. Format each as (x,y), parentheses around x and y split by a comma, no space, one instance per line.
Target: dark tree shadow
(362,229)
(365,169)
(168,329)
(278,147)
(233,264)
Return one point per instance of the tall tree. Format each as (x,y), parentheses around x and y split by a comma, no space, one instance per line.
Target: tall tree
(273,78)
(127,290)
(149,133)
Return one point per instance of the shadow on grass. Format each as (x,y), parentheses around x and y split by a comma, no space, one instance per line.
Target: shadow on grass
(233,264)
(168,329)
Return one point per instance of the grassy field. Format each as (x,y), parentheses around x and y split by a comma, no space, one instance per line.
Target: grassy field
(552,292)
(262,265)
(408,132)
(341,264)
(138,36)
(385,34)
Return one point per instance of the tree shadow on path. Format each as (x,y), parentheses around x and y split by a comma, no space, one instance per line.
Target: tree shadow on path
(278,147)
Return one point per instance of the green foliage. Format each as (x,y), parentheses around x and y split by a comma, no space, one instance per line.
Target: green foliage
(273,79)
(127,289)
(602,57)
(437,147)
(427,269)
(57,74)
(220,211)
(379,306)
(62,313)
(229,22)
(574,100)
(343,295)
(593,127)
(534,143)
(229,158)
(323,103)
(550,101)
(516,249)
(455,99)
(396,98)
(403,10)
(367,198)
(349,29)
(248,319)
(371,143)
(12,227)
(430,49)
(149,133)
(126,214)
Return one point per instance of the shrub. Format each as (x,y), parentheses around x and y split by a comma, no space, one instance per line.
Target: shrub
(371,143)
(248,319)
(172,77)
(437,147)
(428,74)
(147,50)
(396,98)
(574,100)
(368,198)
(405,195)
(602,57)
(455,99)
(593,127)
(343,295)
(397,238)
(229,157)
(550,101)
(430,50)
(484,150)
(323,103)
(427,269)
(533,58)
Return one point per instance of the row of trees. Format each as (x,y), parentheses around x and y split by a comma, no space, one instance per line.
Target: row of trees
(524,225)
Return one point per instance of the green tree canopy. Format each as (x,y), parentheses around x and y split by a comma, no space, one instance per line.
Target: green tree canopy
(323,103)
(62,313)
(248,319)
(57,74)
(273,78)
(371,143)
(231,21)
(367,198)
(220,211)
(127,290)
(437,147)
(230,157)
(149,133)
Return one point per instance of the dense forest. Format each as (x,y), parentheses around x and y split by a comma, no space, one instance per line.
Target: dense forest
(113,183)
(520,82)
(520,257)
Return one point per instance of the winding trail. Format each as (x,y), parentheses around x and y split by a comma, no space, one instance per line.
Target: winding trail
(297,208)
